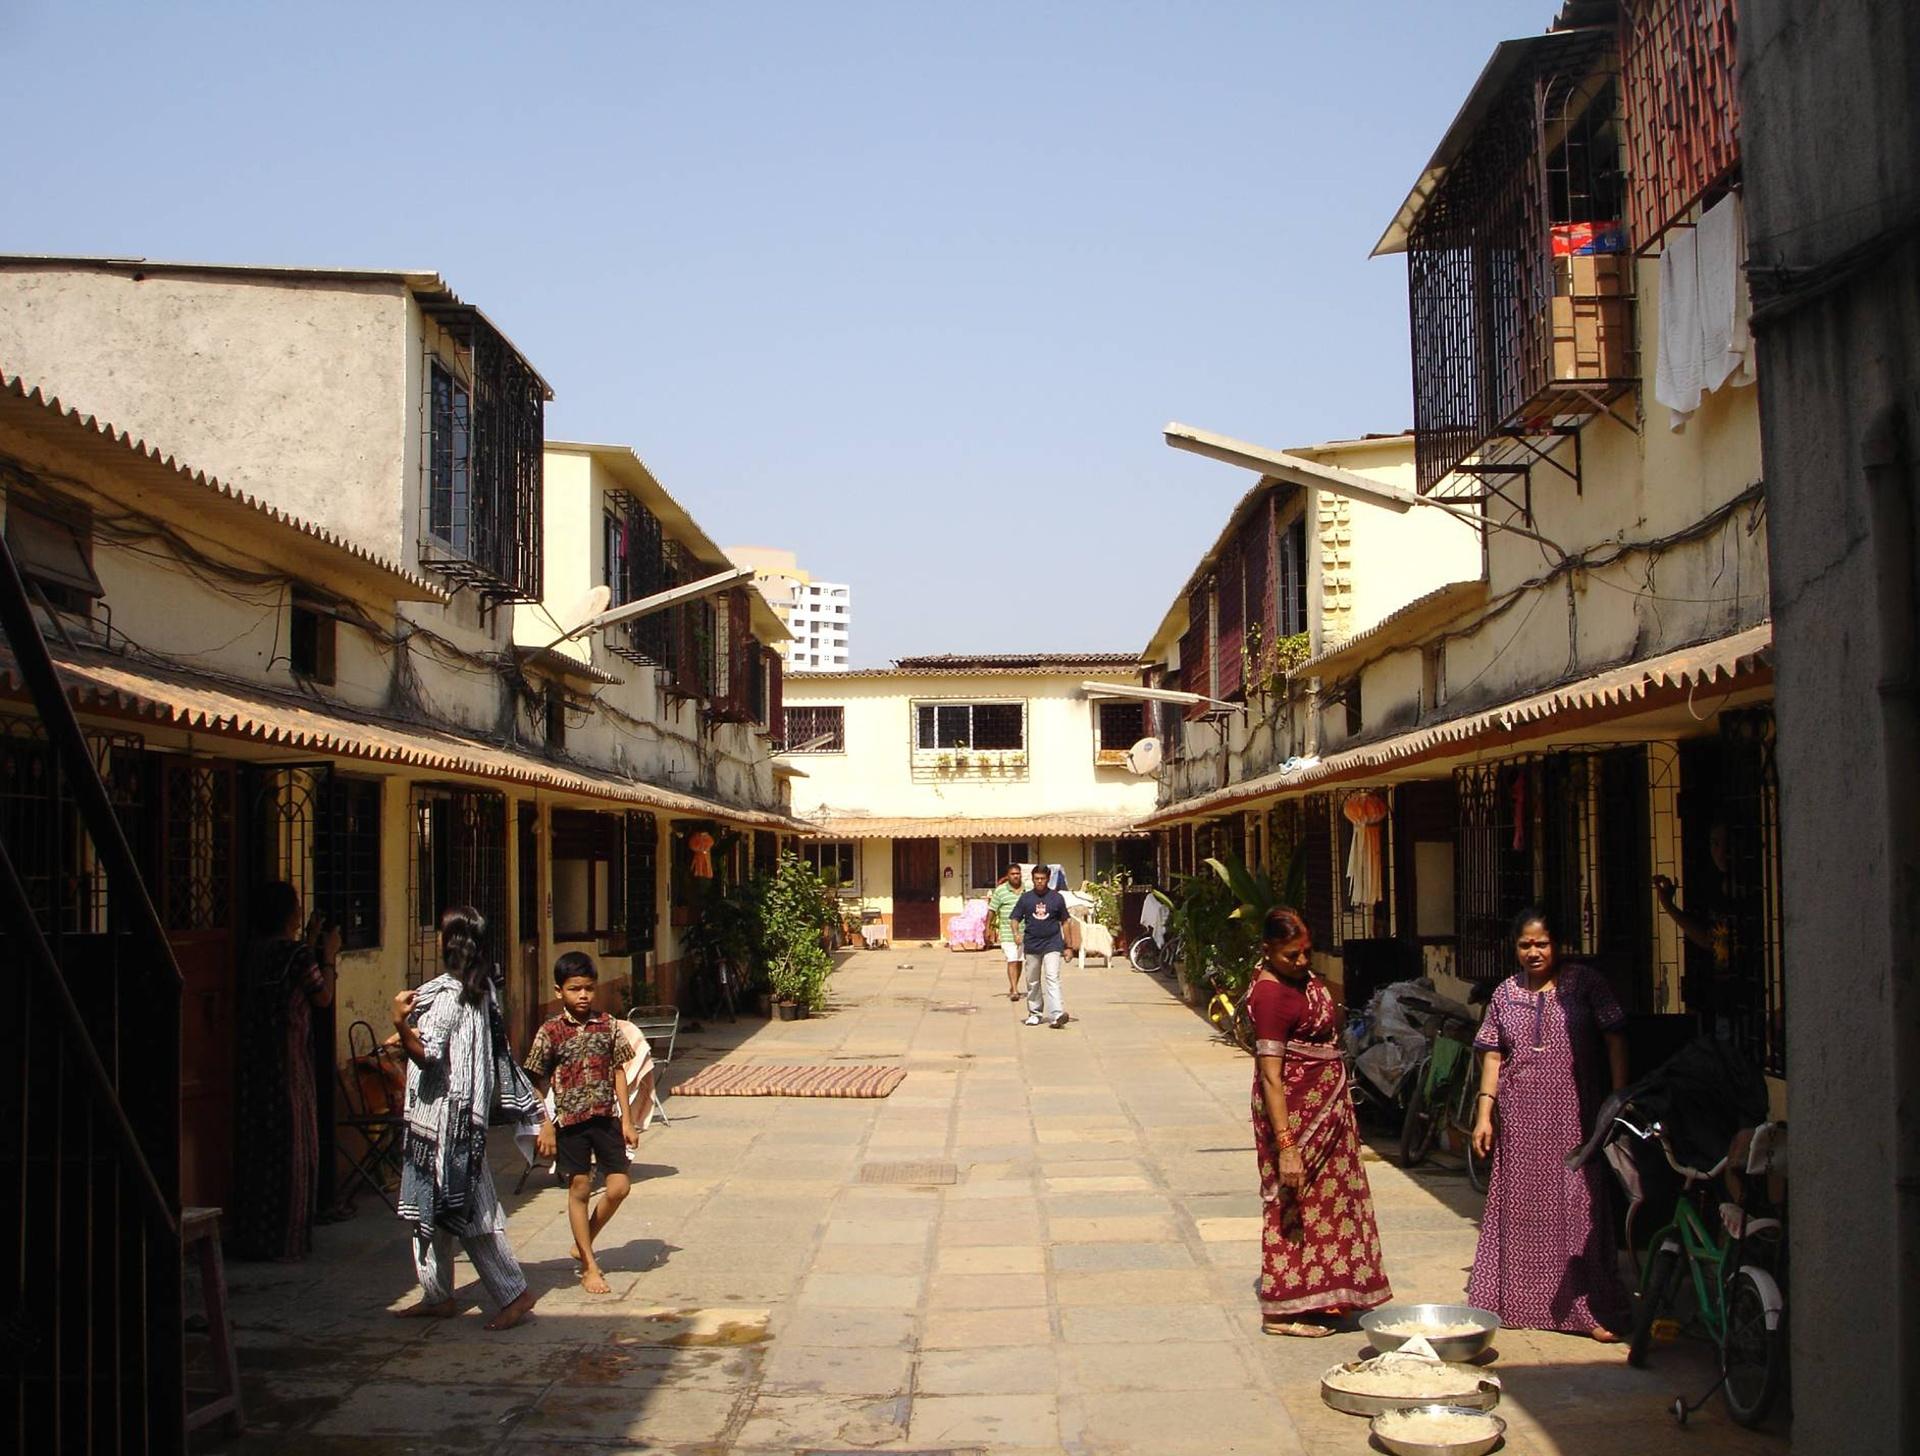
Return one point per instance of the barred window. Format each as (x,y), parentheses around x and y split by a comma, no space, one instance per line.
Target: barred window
(815,729)
(987,860)
(988,726)
(346,858)
(1117,726)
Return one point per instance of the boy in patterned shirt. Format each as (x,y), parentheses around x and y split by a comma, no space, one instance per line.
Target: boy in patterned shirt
(581,1053)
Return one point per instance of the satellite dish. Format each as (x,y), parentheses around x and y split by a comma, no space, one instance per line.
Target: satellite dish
(586,609)
(1144,757)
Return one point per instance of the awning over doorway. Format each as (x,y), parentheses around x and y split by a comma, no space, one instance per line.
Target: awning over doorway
(1726,664)
(104,683)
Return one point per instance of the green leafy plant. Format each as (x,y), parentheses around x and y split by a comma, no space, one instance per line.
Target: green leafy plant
(1220,914)
(1107,891)
(795,909)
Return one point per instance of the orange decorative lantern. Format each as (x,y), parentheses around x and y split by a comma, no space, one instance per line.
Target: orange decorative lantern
(701,847)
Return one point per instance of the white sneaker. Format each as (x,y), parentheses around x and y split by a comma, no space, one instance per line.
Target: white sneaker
(1033,1018)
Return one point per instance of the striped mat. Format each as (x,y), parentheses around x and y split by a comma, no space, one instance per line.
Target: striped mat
(747,1079)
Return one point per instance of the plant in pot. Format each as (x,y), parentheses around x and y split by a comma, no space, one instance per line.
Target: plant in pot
(794,910)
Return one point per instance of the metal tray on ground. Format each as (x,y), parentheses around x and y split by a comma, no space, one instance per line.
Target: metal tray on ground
(1484,1398)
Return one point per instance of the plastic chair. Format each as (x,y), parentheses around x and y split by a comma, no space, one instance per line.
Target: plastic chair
(660,1025)
(372,1111)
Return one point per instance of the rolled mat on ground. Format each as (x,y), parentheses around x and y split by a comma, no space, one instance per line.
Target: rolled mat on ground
(746,1079)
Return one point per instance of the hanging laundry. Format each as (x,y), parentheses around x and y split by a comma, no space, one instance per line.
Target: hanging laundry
(1704,341)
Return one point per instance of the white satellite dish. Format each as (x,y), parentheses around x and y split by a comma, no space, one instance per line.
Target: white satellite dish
(1144,757)
(585,610)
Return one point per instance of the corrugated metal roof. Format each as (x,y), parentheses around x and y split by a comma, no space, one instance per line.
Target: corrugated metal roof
(1015,659)
(561,664)
(828,825)
(22,407)
(1745,655)
(1069,665)
(107,684)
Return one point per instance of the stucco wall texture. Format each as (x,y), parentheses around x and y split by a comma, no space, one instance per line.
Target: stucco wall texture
(1831,136)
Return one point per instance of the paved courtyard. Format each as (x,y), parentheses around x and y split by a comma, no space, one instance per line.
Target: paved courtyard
(1082,1284)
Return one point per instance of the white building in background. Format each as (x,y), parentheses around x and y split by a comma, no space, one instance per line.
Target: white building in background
(816,612)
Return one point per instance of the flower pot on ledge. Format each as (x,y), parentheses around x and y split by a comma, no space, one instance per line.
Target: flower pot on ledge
(789,1010)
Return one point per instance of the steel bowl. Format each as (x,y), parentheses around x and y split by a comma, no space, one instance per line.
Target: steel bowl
(1447,1347)
(1400,1446)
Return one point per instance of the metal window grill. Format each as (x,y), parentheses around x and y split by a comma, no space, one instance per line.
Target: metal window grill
(1291,572)
(1257,550)
(736,658)
(51,850)
(805,724)
(459,857)
(1316,842)
(197,845)
(1195,645)
(1748,801)
(481,507)
(1230,621)
(1481,271)
(639,570)
(1352,921)
(1117,726)
(1682,107)
(346,858)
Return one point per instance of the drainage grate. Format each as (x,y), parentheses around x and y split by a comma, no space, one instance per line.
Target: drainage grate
(913,1172)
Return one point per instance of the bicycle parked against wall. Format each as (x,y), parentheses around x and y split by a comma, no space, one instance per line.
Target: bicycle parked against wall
(1155,953)
(1445,1086)
(1228,1012)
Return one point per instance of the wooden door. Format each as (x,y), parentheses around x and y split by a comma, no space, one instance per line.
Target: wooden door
(916,889)
(197,904)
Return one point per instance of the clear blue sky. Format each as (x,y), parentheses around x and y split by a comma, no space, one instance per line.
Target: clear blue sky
(907,287)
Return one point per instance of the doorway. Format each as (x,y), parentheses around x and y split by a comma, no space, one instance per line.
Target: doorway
(916,889)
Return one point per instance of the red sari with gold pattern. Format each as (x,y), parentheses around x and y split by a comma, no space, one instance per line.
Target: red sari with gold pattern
(1319,1247)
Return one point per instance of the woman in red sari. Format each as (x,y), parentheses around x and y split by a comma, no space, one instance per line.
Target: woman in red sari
(1319,1248)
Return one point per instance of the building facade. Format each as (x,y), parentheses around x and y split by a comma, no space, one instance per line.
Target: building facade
(332,651)
(1836,274)
(923,781)
(817,613)
(1591,708)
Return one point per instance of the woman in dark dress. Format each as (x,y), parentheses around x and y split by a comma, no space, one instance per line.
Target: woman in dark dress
(1552,1049)
(1319,1245)
(289,973)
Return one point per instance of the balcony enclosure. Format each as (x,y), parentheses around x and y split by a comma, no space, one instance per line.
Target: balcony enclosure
(635,565)
(1682,109)
(1518,283)
(486,431)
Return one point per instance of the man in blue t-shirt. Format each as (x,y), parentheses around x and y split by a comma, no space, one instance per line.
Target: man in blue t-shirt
(1040,912)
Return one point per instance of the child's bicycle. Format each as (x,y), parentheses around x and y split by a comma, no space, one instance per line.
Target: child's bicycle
(1718,1265)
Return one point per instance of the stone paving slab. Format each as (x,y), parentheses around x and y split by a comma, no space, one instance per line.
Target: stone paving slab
(1085,1286)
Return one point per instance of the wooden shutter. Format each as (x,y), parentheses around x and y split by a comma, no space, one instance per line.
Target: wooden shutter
(1229,586)
(1194,648)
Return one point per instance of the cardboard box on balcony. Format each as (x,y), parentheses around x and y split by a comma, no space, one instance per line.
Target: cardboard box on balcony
(1592,275)
(1590,338)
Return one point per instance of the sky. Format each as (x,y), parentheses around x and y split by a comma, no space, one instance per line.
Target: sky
(907,288)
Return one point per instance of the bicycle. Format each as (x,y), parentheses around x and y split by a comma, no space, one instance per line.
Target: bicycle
(1732,1277)
(1228,1012)
(716,989)
(1445,1091)
(1148,953)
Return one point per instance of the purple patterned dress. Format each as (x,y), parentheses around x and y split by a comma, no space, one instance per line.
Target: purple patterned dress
(1547,1258)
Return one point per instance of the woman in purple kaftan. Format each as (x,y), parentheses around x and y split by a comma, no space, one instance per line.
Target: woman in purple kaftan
(1552,1048)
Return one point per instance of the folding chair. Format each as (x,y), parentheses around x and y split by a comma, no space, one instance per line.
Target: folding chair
(373,1111)
(660,1025)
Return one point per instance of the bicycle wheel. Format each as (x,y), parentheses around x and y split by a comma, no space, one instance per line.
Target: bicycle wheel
(1145,954)
(1243,1028)
(1422,1121)
(1664,1272)
(723,981)
(1463,1105)
(1754,1357)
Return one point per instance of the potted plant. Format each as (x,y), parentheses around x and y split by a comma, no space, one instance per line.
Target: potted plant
(794,909)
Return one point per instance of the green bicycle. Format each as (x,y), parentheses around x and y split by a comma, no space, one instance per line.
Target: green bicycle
(1725,1279)
(1444,1090)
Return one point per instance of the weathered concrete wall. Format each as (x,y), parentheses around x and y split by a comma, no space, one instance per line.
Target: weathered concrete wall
(1831,133)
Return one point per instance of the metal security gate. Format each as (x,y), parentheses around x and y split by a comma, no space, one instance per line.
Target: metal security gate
(90,1307)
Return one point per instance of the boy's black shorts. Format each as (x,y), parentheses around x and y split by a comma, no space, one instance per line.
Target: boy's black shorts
(590,1144)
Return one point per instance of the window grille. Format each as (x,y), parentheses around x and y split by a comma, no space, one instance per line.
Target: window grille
(1495,356)
(987,860)
(642,900)
(587,874)
(1117,726)
(485,464)
(1134,856)
(346,858)
(1195,648)
(1682,107)
(981,726)
(1257,548)
(736,658)
(635,568)
(833,860)
(52,853)
(1317,841)
(1230,623)
(458,857)
(1291,570)
(805,724)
